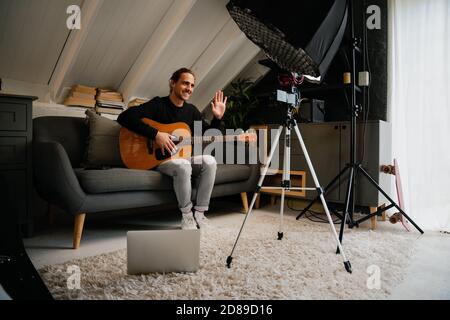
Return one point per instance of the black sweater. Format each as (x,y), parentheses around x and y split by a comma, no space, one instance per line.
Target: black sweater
(164,111)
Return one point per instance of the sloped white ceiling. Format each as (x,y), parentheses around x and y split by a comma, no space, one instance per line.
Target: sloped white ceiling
(129,45)
(204,41)
(118,34)
(32,35)
(205,20)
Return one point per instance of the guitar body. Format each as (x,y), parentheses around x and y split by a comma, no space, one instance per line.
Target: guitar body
(139,152)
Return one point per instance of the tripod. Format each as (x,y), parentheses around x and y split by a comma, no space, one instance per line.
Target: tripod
(355,167)
(290,124)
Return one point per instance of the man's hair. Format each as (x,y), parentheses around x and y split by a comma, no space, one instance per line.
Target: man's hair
(177,74)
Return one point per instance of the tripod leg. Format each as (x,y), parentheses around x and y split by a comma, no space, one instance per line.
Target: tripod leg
(347,203)
(280,232)
(286,176)
(257,191)
(389,198)
(322,198)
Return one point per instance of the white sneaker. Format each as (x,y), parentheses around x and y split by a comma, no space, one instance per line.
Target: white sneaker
(202,221)
(188,222)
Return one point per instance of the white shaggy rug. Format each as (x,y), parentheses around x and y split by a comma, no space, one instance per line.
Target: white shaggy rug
(301,266)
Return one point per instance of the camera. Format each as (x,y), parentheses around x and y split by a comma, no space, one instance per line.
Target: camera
(283,96)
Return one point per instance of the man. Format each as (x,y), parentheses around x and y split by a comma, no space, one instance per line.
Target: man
(170,109)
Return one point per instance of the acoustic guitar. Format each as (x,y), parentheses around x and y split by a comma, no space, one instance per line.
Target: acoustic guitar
(139,152)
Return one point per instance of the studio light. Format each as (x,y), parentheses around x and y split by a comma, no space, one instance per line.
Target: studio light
(281,31)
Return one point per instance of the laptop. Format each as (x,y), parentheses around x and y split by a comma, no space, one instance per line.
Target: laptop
(163,251)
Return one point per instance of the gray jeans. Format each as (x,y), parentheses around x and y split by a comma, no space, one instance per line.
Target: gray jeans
(181,171)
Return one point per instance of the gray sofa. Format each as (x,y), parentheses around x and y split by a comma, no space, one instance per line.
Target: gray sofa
(59,145)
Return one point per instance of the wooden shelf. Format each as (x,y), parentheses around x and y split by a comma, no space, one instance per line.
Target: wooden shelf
(324,88)
(298,180)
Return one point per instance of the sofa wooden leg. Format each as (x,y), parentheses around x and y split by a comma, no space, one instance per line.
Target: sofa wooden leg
(383,214)
(373,220)
(273,200)
(78,229)
(258,201)
(244,201)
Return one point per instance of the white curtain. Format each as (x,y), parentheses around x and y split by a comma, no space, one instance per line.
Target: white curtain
(419,108)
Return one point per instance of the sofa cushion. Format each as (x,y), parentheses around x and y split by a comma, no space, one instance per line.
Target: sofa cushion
(102,147)
(70,132)
(227,173)
(122,179)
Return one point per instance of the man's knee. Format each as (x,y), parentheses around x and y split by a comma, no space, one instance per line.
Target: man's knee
(209,161)
(183,168)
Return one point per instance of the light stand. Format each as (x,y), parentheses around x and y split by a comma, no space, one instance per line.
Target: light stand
(290,124)
(354,166)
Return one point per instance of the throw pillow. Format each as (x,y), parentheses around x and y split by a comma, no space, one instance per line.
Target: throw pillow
(102,148)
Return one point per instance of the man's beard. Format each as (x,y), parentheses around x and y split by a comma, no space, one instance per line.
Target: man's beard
(181,97)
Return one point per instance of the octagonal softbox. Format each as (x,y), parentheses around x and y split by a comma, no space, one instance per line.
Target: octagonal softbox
(300,37)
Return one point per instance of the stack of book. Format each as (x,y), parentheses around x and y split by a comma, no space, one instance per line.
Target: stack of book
(109,101)
(136,102)
(82,96)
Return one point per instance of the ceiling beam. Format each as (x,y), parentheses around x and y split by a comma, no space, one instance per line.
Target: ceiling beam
(151,53)
(89,11)
(216,50)
(236,58)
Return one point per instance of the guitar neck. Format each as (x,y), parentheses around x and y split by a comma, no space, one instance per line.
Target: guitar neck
(216,138)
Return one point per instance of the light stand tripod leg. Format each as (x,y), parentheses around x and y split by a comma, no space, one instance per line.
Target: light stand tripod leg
(325,190)
(257,191)
(347,264)
(376,213)
(389,198)
(347,204)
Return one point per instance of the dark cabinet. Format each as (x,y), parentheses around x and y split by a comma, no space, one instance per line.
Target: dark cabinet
(15,155)
(328,145)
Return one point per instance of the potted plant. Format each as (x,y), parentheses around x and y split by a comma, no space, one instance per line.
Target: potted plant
(242,105)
